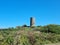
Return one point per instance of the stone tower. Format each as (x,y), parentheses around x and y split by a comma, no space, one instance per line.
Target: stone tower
(32,21)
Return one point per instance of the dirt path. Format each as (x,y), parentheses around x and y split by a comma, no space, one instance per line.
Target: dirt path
(54,44)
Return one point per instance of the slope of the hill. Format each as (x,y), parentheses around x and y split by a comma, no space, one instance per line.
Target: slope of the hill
(39,35)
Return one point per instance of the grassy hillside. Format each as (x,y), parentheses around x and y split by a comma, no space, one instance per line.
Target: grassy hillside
(37,35)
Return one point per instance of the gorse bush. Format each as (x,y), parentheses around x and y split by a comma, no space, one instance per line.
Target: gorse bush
(52,28)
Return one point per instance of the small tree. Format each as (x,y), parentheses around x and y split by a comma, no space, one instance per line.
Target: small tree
(24,25)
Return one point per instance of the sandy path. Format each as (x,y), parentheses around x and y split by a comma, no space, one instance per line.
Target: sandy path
(54,44)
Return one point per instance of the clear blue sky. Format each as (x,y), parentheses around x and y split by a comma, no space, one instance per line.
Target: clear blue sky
(17,12)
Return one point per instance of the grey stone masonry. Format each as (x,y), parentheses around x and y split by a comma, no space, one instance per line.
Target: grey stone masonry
(32,21)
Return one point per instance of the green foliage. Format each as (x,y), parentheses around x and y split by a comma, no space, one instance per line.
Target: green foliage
(39,35)
(54,28)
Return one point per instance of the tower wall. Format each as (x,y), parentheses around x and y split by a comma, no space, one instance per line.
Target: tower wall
(32,21)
